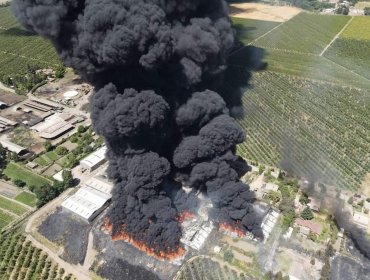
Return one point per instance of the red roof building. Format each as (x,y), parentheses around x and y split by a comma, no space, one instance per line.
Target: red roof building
(308,226)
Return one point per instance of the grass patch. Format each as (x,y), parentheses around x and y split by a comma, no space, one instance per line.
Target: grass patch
(12,206)
(5,219)
(47,158)
(16,171)
(27,198)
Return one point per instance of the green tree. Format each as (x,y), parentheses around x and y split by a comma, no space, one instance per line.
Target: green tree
(273,196)
(3,157)
(260,169)
(44,194)
(367,11)
(60,150)
(228,255)
(67,178)
(19,183)
(48,146)
(304,199)
(60,71)
(307,214)
(81,129)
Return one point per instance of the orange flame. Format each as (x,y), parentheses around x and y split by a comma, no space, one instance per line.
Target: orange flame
(161,255)
(232,229)
(183,216)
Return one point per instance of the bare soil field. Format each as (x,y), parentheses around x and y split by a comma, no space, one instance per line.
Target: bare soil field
(10,98)
(263,12)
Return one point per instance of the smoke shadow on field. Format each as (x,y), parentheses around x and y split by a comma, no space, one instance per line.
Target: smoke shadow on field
(17,31)
(241,63)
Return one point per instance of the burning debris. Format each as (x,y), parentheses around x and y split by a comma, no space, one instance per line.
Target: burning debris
(156,66)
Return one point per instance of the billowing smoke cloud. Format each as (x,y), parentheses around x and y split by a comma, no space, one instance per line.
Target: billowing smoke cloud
(357,234)
(155,65)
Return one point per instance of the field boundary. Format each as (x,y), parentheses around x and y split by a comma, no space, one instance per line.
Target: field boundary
(17,202)
(353,72)
(336,36)
(26,57)
(268,32)
(255,40)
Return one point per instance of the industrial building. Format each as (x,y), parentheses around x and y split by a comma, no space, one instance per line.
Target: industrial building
(195,233)
(91,199)
(269,222)
(12,147)
(94,160)
(6,124)
(54,126)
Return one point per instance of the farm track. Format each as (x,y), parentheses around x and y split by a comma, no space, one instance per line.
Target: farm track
(336,36)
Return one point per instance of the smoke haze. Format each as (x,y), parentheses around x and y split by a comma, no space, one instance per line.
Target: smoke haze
(156,66)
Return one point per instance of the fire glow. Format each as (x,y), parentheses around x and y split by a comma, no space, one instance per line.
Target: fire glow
(232,229)
(185,215)
(160,255)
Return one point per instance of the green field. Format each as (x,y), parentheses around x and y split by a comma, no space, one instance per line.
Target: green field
(47,158)
(313,67)
(317,130)
(5,219)
(359,29)
(306,33)
(351,49)
(27,198)
(16,171)
(11,206)
(249,29)
(19,48)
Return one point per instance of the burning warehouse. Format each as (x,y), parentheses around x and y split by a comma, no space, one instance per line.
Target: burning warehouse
(157,66)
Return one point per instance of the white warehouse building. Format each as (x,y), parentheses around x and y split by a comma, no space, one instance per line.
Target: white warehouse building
(91,199)
(94,160)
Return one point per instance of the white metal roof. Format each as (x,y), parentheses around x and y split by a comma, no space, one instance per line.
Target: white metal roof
(12,146)
(95,158)
(93,195)
(80,206)
(100,184)
(89,198)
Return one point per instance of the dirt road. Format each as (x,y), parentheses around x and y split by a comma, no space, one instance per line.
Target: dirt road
(77,270)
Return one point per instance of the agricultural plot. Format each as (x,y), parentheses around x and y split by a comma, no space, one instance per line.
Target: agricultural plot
(351,49)
(313,67)
(20,260)
(27,198)
(47,158)
(19,48)
(359,29)
(250,29)
(10,210)
(305,33)
(18,172)
(205,268)
(316,130)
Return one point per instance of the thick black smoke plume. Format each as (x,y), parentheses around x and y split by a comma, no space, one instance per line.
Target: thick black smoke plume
(357,234)
(155,65)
